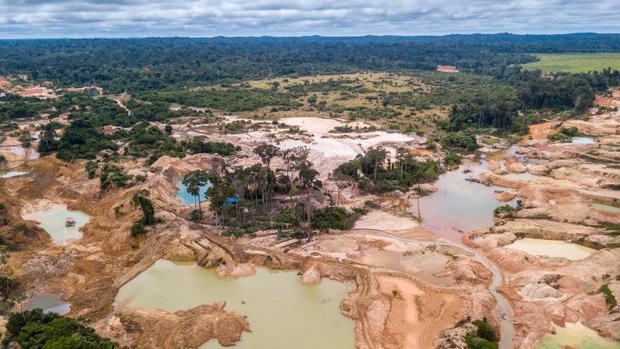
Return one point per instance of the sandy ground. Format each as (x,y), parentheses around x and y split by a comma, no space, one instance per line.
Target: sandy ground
(381,220)
(327,151)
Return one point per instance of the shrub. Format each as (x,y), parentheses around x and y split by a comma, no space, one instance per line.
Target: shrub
(504,210)
(137,229)
(452,159)
(609,296)
(333,217)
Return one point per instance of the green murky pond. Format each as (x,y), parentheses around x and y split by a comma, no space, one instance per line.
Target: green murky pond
(551,248)
(606,208)
(283,312)
(53,219)
(578,336)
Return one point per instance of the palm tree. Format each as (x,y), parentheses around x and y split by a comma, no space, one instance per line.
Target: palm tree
(193,181)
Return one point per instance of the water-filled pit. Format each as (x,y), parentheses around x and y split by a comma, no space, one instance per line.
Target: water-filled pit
(282,312)
(576,335)
(187,198)
(551,248)
(459,205)
(48,303)
(52,219)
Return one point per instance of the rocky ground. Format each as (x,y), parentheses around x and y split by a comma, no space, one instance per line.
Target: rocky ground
(558,202)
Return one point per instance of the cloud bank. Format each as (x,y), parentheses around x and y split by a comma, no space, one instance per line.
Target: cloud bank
(114,18)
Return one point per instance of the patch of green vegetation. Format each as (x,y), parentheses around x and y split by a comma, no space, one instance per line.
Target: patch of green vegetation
(609,296)
(373,175)
(198,145)
(484,338)
(460,140)
(34,329)
(112,174)
(150,141)
(452,159)
(82,141)
(333,217)
(504,210)
(575,62)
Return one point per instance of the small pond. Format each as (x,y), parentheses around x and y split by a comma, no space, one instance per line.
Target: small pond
(12,174)
(576,335)
(551,248)
(283,312)
(187,198)
(582,140)
(459,205)
(48,303)
(606,208)
(53,218)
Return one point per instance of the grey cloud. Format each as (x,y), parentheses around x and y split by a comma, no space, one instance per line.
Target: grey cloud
(91,18)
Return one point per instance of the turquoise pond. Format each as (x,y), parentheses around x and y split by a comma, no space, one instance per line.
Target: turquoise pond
(187,198)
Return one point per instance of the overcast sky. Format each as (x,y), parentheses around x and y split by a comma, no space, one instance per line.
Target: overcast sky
(113,18)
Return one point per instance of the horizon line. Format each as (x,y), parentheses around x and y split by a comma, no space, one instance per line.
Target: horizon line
(304,36)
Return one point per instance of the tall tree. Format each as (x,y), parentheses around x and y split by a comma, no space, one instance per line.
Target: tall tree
(193,181)
(266,152)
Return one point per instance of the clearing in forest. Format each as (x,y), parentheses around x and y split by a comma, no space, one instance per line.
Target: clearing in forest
(575,62)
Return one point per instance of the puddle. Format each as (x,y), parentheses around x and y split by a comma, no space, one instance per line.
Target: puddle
(606,208)
(582,140)
(458,205)
(283,312)
(48,303)
(187,198)
(551,248)
(53,217)
(576,335)
(12,174)
(422,265)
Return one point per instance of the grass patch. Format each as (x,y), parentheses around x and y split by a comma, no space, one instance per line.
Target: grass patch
(575,62)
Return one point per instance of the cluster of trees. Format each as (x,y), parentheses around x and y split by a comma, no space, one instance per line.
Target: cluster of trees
(34,329)
(376,172)
(256,197)
(463,139)
(198,145)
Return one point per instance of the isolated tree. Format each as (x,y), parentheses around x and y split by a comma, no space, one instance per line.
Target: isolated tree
(193,181)
(141,198)
(266,152)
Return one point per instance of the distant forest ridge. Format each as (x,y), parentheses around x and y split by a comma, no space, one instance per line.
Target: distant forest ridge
(138,64)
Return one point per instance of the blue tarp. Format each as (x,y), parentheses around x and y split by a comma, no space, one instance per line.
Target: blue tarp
(231,202)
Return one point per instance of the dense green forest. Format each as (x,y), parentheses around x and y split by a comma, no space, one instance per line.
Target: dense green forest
(146,64)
